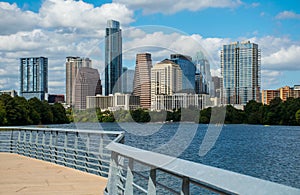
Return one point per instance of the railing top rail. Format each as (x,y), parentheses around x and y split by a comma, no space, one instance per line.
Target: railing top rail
(64,130)
(214,178)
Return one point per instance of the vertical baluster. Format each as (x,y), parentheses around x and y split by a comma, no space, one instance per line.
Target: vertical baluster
(76,148)
(30,144)
(113,175)
(152,182)
(129,178)
(185,188)
(65,147)
(50,146)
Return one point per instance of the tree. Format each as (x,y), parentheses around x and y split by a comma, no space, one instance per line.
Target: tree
(59,114)
(297,116)
(2,114)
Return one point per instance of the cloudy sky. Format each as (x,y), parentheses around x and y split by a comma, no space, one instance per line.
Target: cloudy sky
(58,28)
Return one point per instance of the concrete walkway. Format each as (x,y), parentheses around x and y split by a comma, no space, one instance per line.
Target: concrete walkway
(24,175)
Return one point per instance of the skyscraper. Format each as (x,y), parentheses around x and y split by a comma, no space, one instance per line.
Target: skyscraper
(127,80)
(240,68)
(204,85)
(87,84)
(73,64)
(113,57)
(142,79)
(34,77)
(188,71)
(166,78)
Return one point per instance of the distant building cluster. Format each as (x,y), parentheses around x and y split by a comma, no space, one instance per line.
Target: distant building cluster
(178,82)
(283,93)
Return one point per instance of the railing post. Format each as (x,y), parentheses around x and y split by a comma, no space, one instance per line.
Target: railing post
(152,182)
(185,188)
(113,177)
(129,178)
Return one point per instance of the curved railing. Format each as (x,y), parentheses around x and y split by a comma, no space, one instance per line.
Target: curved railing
(129,170)
(136,171)
(80,149)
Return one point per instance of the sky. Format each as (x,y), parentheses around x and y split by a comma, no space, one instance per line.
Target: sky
(56,29)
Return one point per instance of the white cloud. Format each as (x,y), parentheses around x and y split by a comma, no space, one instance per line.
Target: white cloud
(64,16)
(170,6)
(270,78)
(13,19)
(78,14)
(287,15)
(284,59)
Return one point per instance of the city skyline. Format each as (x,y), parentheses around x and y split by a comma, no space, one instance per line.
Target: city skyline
(38,29)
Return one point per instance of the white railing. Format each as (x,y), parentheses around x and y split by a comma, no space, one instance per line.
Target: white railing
(80,149)
(136,171)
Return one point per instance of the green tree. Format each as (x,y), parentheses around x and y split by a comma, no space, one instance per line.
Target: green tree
(17,111)
(253,112)
(59,114)
(2,114)
(297,116)
(205,115)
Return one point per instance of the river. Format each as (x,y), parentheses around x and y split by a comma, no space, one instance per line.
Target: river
(267,152)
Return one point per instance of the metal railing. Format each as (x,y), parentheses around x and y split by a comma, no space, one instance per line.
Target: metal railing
(84,150)
(129,170)
(136,171)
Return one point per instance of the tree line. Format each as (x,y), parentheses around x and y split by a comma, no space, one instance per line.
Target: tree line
(17,110)
(276,113)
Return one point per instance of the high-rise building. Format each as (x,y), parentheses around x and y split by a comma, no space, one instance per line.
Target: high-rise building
(73,64)
(113,57)
(166,79)
(240,68)
(142,79)
(188,71)
(34,77)
(217,86)
(203,83)
(87,84)
(127,80)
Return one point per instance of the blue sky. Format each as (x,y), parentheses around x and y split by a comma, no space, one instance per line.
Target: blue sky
(56,29)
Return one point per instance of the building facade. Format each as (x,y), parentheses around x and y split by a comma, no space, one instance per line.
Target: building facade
(87,84)
(127,80)
(34,77)
(179,100)
(113,102)
(268,95)
(73,64)
(54,98)
(283,93)
(203,78)
(188,69)
(240,69)
(11,92)
(166,79)
(113,57)
(142,79)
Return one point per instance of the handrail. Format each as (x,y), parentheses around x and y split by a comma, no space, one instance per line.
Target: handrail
(211,178)
(80,149)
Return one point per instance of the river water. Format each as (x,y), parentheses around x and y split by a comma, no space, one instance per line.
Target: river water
(267,152)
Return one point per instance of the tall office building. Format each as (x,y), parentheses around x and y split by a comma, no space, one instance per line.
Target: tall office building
(166,78)
(188,71)
(87,84)
(34,77)
(73,64)
(113,57)
(127,80)
(142,79)
(240,68)
(204,85)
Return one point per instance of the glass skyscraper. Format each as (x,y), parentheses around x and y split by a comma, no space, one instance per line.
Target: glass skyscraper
(188,71)
(34,77)
(240,68)
(73,64)
(113,57)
